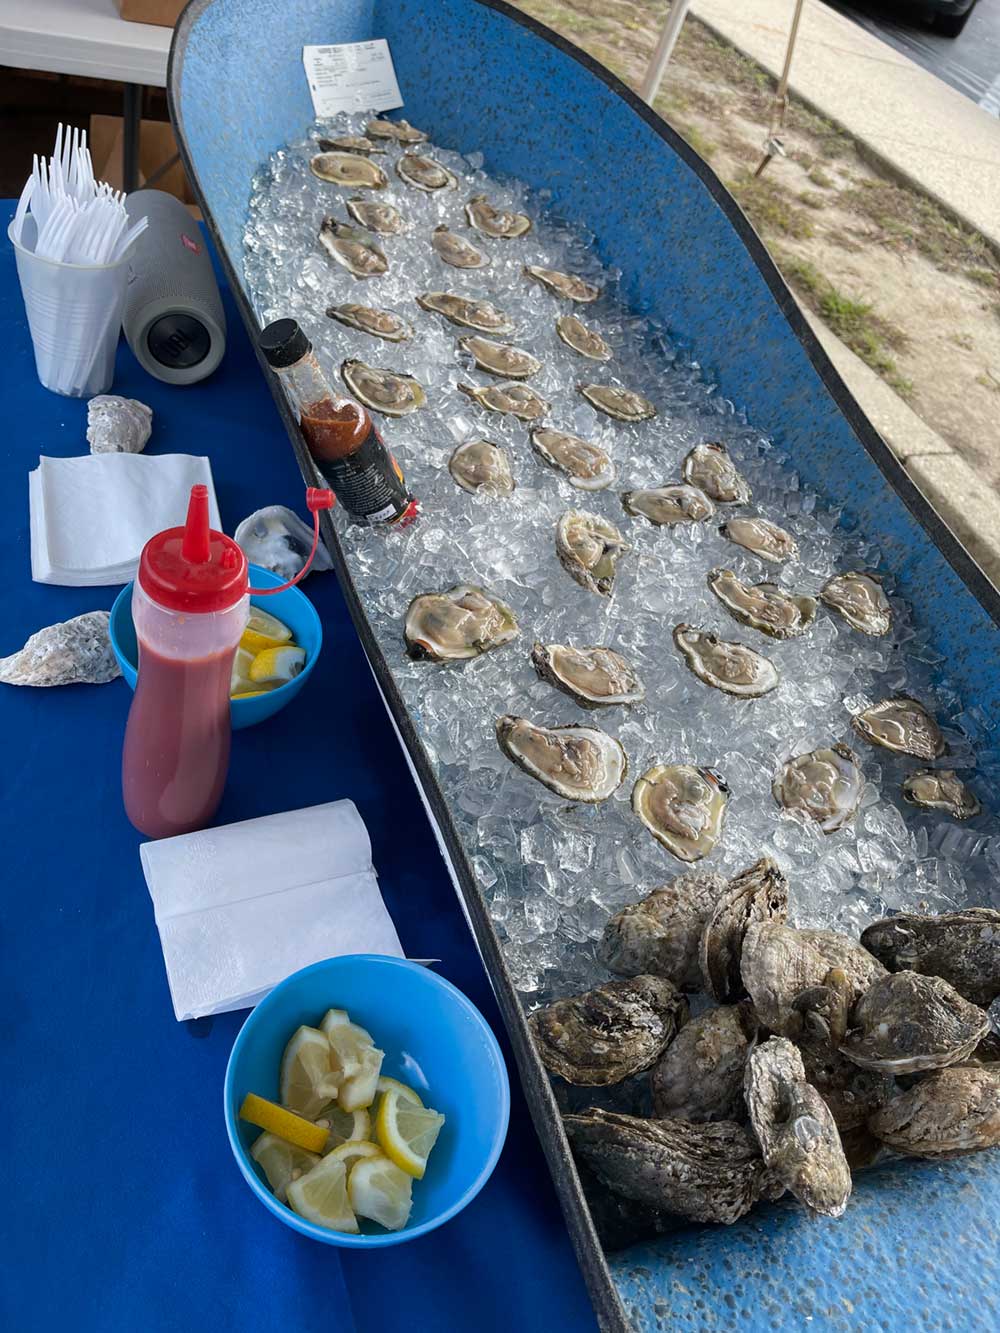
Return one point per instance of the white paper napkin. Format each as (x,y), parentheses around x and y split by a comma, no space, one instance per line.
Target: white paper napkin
(92,515)
(240,908)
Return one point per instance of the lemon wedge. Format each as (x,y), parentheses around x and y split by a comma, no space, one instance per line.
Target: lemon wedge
(377,1189)
(285,1124)
(281,1162)
(308,1079)
(240,678)
(358,1090)
(321,1196)
(351,1153)
(278,664)
(264,631)
(343,1126)
(407,1133)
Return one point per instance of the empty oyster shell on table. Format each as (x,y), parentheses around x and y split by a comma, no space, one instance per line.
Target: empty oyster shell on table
(947,1114)
(384,324)
(755,895)
(350,170)
(497,223)
(72,652)
(619,404)
(567,285)
(423,173)
(608,1033)
(660,933)
(589,548)
(465,312)
(730,667)
(961,947)
(683,807)
(761,537)
(277,539)
(386,391)
(822,786)
(906,1023)
(498,358)
(763,606)
(859,598)
(699,1077)
(400,131)
(941,789)
(482,466)
(456,250)
(579,763)
(709,467)
(586,466)
(376,216)
(593,677)
(353,249)
(585,342)
(795,1128)
(516,400)
(666,505)
(902,725)
(118,425)
(349,143)
(456,625)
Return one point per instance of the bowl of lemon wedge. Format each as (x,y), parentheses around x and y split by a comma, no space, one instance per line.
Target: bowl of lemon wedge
(366,1101)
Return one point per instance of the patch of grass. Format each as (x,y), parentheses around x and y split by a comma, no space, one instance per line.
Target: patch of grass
(811,199)
(988,380)
(963,340)
(907,219)
(831,142)
(769,207)
(819,177)
(983,277)
(702,146)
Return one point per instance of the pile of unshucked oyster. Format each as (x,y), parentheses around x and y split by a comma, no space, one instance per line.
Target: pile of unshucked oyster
(629,638)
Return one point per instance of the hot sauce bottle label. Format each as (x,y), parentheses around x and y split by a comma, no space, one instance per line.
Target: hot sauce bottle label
(369,483)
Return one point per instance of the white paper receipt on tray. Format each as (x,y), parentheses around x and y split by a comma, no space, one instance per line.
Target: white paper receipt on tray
(356,76)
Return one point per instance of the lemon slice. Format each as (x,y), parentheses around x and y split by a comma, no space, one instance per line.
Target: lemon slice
(387,1084)
(320,1196)
(280,664)
(286,1124)
(343,1126)
(264,631)
(240,678)
(351,1153)
(308,1079)
(281,1162)
(358,1090)
(407,1133)
(379,1190)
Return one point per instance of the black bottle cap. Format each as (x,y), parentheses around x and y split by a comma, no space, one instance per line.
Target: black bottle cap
(283,343)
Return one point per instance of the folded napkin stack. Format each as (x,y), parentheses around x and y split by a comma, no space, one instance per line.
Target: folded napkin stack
(92,515)
(240,908)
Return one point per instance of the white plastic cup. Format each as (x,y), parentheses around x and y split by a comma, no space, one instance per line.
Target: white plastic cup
(75,314)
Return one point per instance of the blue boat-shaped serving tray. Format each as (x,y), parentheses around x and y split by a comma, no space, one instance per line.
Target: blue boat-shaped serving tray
(918,1246)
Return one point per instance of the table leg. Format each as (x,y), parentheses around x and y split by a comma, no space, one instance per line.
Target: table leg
(131,112)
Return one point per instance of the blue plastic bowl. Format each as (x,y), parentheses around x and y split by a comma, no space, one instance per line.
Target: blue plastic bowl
(291,606)
(434,1039)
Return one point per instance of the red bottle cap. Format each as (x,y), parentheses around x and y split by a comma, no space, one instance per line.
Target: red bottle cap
(193,568)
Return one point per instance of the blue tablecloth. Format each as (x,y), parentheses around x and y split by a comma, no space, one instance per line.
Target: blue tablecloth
(123,1209)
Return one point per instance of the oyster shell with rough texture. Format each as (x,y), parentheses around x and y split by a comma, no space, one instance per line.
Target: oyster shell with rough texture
(423,173)
(859,598)
(72,652)
(586,466)
(580,763)
(349,143)
(608,1033)
(585,342)
(277,539)
(947,1114)
(709,467)
(466,312)
(683,807)
(699,1077)
(757,894)
(401,131)
(456,250)
(795,1128)
(666,505)
(851,1093)
(566,285)
(660,933)
(732,668)
(482,467)
(961,947)
(707,1173)
(350,170)
(384,324)
(376,216)
(118,425)
(498,358)
(941,789)
(763,606)
(761,537)
(352,248)
(906,1023)
(456,625)
(902,725)
(822,786)
(497,223)
(620,404)
(394,395)
(594,677)
(516,400)
(589,548)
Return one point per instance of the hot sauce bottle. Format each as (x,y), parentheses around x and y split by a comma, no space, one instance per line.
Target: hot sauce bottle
(339,433)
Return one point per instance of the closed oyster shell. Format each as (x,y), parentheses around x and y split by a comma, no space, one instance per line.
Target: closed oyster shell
(72,652)
(594,677)
(669,504)
(585,342)
(795,1128)
(566,285)
(456,250)
(376,216)
(859,598)
(466,312)
(585,465)
(350,170)
(730,667)
(683,807)
(902,725)
(906,1023)
(498,358)
(699,1077)
(580,763)
(709,467)
(763,606)
(423,173)
(608,1033)
(947,1114)
(660,933)
(589,548)
(761,537)
(400,131)
(852,1093)
(759,893)
(621,404)
(386,391)
(384,324)
(517,400)
(498,224)
(823,786)
(118,425)
(457,625)
(482,466)
(941,789)
(961,947)
(352,248)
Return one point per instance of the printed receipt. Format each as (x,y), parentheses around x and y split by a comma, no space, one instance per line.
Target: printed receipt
(356,76)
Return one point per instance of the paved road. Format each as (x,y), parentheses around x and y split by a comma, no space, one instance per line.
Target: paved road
(969,62)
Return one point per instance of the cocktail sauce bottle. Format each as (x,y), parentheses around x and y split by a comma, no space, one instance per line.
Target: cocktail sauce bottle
(339,433)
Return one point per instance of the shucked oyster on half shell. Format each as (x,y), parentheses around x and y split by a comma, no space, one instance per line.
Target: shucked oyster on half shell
(683,807)
(761,537)
(456,250)
(906,1023)
(585,465)
(517,400)
(456,625)
(465,312)
(589,548)
(585,342)
(709,467)
(620,404)
(566,285)
(498,358)
(660,933)
(350,170)
(759,893)
(482,466)
(961,947)
(608,1033)
(580,763)
(497,223)
(376,216)
(763,606)
(731,667)
(903,725)
(859,598)
(666,505)
(947,1114)
(823,786)
(423,173)
(383,324)
(593,677)
(941,789)
(401,131)
(394,395)
(699,1077)
(349,143)
(352,248)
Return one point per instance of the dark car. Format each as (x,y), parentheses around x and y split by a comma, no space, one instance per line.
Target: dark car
(948,17)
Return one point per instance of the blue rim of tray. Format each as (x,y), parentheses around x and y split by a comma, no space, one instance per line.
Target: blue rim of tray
(535,1080)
